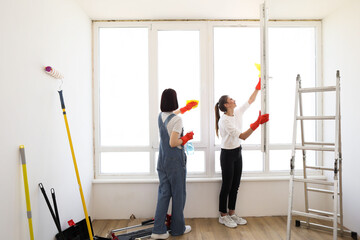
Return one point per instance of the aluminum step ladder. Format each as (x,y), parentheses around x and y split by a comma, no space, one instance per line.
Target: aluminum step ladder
(336,216)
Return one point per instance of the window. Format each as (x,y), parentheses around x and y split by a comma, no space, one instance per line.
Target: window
(236,50)
(135,61)
(179,69)
(124,83)
(297,44)
(123,74)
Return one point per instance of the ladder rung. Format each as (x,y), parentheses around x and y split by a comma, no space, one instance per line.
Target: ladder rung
(310,215)
(319,143)
(314,181)
(320,168)
(341,232)
(315,117)
(315,148)
(322,212)
(320,190)
(318,89)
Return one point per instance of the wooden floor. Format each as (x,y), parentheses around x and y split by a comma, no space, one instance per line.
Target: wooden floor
(258,228)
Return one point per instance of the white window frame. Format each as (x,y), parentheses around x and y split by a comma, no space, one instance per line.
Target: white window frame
(207,142)
(173,26)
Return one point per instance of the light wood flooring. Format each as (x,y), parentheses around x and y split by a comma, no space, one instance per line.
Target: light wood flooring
(258,228)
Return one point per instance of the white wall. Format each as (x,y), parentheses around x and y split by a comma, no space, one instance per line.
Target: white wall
(255,198)
(34,34)
(341,51)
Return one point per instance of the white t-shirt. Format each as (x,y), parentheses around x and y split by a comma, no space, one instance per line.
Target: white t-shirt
(174,125)
(230,128)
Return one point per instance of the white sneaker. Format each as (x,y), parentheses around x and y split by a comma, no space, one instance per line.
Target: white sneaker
(187,229)
(238,220)
(227,221)
(160,236)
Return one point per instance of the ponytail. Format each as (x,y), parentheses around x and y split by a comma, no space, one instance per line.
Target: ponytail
(220,105)
(217,117)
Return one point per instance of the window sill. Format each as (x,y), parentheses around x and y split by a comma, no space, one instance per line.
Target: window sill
(202,180)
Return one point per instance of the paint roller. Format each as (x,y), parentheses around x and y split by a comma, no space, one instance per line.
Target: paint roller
(56,74)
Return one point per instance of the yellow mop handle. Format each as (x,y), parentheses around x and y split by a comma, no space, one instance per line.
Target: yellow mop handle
(27,195)
(76,168)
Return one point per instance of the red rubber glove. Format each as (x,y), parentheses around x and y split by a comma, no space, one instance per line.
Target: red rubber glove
(258,86)
(187,137)
(261,120)
(188,107)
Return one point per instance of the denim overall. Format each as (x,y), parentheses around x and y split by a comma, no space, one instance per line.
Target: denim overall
(171,169)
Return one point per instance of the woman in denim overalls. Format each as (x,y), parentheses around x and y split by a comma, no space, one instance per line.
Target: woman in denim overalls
(171,167)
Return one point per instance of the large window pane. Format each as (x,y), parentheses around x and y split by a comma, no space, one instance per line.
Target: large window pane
(124,86)
(291,52)
(125,162)
(196,162)
(236,50)
(280,159)
(179,68)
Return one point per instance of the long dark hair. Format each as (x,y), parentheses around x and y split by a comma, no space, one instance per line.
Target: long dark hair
(169,100)
(219,105)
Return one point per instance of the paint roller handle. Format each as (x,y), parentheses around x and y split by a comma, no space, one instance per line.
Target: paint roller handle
(147,222)
(52,190)
(51,211)
(22,154)
(61,99)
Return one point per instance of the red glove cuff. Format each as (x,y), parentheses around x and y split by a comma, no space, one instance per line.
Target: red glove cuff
(183,110)
(254,125)
(258,86)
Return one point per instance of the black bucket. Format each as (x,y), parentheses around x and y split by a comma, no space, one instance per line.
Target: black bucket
(78,232)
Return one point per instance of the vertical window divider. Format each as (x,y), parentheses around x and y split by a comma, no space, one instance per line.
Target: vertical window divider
(210,170)
(96,98)
(153,93)
(320,97)
(264,83)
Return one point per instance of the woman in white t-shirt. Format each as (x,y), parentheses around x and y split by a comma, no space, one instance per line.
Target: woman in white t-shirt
(230,127)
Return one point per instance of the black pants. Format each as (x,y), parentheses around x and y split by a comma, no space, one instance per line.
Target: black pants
(231,170)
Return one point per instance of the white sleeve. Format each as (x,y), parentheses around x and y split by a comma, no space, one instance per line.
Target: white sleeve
(178,125)
(231,129)
(240,110)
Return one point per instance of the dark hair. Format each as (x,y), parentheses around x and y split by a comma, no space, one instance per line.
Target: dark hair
(219,105)
(169,100)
